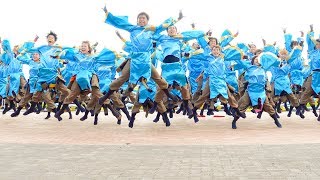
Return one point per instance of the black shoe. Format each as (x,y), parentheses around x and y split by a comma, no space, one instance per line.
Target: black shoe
(278,108)
(31,109)
(17,112)
(70,114)
(83,118)
(61,111)
(105,109)
(210,112)
(92,112)
(6,109)
(133,117)
(95,119)
(194,113)
(49,116)
(290,111)
(184,112)
(170,113)
(39,108)
(157,118)
(314,110)
(78,112)
(259,115)
(234,122)
(276,121)
(125,110)
(166,119)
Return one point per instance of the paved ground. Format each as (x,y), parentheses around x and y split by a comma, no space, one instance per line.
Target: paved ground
(34,148)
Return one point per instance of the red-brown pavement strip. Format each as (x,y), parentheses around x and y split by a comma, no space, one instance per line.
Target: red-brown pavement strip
(33,129)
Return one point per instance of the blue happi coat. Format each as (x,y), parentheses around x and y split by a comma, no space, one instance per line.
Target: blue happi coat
(141,48)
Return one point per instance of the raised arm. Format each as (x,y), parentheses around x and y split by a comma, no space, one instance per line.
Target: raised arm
(127,44)
(227,37)
(120,22)
(295,53)
(107,57)
(311,42)
(189,35)
(287,40)
(24,58)
(163,26)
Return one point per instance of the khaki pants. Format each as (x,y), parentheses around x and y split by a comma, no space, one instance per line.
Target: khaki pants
(62,88)
(125,74)
(241,81)
(244,103)
(117,103)
(27,97)
(185,93)
(206,95)
(75,91)
(292,98)
(115,99)
(308,91)
(46,96)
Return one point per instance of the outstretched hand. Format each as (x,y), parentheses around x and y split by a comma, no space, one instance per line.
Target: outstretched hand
(284,30)
(209,33)
(236,34)
(105,10)
(302,33)
(95,44)
(311,27)
(264,42)
(193,25)
(118,34)
(36,38)
(180,15)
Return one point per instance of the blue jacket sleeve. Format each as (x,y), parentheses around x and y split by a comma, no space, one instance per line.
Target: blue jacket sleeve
(120,22)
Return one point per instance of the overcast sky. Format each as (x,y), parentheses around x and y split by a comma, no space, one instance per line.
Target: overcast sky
(78,20)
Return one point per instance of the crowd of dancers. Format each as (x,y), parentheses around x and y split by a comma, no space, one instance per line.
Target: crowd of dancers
(235,75)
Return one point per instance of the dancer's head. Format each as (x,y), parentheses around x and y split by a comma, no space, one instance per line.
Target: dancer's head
(142,19)
(172,30)
(213,42)
(52,38)
(216,51)
(85,47)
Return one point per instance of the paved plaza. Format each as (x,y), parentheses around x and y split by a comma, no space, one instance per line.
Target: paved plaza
(34,148)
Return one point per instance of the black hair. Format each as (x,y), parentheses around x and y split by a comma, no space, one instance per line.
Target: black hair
(143,14)
(293,43)
(253,58)
(213,38)
(53,34)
